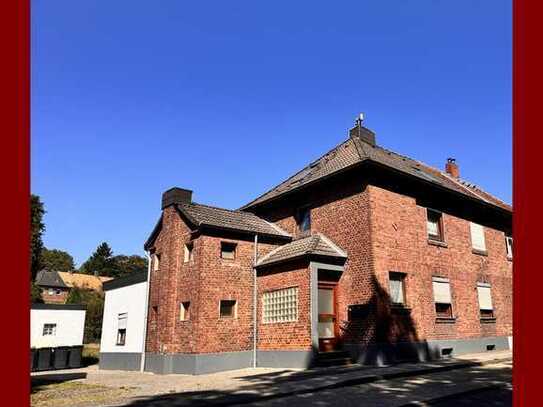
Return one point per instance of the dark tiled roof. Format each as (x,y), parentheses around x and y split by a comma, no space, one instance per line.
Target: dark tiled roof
(355,151)
(317,244)
(48,278)
(204,215)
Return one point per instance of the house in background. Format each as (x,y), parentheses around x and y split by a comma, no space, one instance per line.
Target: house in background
(54,325)
(56,285)
(123,324)
(363,255)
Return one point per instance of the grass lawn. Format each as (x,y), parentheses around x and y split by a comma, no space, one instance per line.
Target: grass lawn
(74,393)
(91,353)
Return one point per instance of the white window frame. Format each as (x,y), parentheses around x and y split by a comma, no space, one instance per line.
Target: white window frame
(280,306)
(440,237)
(49,329)
(234,247)
(184,312)
(485,287)
(156,262)
(123,316)
(475,228)
(188,252)
(509,246)
(400,277)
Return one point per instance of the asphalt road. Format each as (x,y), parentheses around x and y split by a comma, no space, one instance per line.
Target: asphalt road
(493,397)
(445,389)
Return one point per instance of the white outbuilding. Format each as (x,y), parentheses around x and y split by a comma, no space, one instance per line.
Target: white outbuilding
(123,324)
(54,325)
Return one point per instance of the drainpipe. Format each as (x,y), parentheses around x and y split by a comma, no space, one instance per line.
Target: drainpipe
(142,363)
(254,299)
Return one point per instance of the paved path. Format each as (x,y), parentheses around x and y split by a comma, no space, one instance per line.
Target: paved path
(242,386)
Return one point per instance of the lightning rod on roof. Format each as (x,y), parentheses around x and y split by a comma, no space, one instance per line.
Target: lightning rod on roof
(359,119)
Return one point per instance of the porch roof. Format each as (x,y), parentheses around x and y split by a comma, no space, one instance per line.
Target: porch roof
(314,245)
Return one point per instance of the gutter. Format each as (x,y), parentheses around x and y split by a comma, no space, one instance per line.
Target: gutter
(254,300)
(145,319)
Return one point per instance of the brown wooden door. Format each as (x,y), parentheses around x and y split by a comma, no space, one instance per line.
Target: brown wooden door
(327,318)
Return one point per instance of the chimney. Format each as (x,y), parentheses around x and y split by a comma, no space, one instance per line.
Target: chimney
(451,168)
(364,134)
(175,196)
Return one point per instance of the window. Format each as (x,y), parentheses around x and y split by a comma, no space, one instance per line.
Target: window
(156,262)
(303,219)
(280,305)
(49,329)
(509,246)
(485,300)
(188,253)
(228,309)
(228,250)
(477,237)
(57,291)
(397,288)
(434,225)
(442,297)
(184,311)
(51,291)
(121,328)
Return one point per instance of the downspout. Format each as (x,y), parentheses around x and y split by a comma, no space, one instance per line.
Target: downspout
(147,290)
(255,299)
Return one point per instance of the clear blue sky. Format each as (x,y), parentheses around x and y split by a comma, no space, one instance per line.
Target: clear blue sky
(228,98)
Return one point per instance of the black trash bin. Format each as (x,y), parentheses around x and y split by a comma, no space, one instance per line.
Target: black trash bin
(44,359)
(74,359)
(60,360)
(33,359)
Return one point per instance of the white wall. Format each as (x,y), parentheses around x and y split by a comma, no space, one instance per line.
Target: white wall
(69,331)
(129,299)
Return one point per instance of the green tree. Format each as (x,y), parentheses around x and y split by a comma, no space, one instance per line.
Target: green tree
(101,262)
(35,294)
(37,227)
(94,302)
(130,264)
(57,260)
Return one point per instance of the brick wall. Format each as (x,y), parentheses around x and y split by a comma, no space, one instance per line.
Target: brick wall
(383,231)
(286,335)
(55,298)
(400,243)
(204,282)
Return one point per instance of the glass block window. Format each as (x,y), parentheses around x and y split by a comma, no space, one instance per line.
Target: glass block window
(280,305)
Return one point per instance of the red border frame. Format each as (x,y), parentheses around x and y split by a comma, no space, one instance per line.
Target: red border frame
(15,202)
(15,34)
(527,219)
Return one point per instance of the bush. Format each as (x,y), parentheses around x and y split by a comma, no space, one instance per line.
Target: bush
(94,302)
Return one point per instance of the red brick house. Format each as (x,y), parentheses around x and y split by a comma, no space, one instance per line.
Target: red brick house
(56,285)
(364,254)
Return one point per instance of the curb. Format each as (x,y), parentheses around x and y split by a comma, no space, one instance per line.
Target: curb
(240,399)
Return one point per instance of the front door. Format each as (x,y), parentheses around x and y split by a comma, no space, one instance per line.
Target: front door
(327,318)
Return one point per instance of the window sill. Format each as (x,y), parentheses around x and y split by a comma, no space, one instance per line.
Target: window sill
(400,309)
(488,320)
(445,320)
(439,243)
(479,252)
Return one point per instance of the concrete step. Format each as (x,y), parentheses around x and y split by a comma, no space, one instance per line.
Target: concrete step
(334,358)
(335,354)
